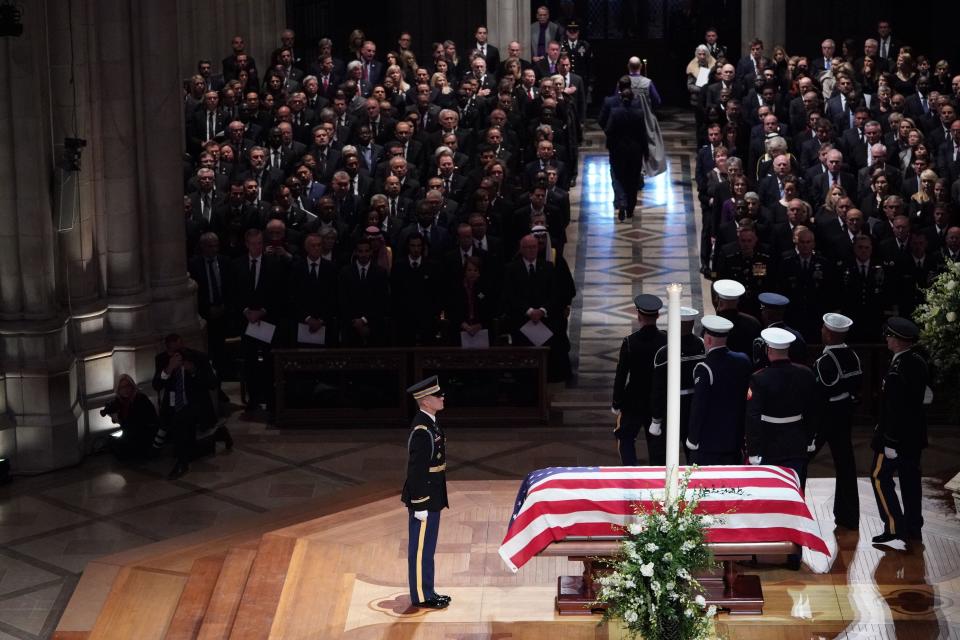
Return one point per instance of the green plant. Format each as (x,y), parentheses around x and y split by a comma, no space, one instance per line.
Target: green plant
(940,325)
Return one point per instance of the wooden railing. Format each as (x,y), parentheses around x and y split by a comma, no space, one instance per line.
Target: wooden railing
(503,386)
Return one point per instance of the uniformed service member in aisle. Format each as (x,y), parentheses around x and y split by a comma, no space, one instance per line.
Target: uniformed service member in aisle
(425,492)
(727,294)
(782,403)
(691,352)
(773,306)
(839,379)
(715,434)
(633,383)
(900,434)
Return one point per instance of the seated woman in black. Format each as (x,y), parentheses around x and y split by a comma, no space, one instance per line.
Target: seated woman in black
(470,305)
(135,414)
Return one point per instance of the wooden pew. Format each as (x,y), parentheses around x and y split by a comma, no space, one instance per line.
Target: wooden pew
(727,589)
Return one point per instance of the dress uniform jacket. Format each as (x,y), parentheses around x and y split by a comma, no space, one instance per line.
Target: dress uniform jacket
(902,424)
(864,299)
(634,378)
(781,412)
(811,292)
(839,375)
(797,350)
(692,352)
(719,401)
(756,273)
(745,330)
(426,486)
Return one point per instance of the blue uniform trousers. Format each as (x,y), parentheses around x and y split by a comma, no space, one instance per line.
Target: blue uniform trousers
(907,521)
(420,550)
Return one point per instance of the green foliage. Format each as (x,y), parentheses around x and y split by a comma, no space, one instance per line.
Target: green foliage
(939,322)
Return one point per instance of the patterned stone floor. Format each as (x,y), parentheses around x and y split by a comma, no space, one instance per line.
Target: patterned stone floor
(52,525)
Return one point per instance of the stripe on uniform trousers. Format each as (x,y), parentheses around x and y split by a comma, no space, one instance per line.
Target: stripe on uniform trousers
(881,498)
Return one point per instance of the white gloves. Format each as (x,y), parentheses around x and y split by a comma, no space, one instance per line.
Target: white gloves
(420,515)
(615,412)
(655,429)
(754,459)
(812,446)
(691,446)
(890,453)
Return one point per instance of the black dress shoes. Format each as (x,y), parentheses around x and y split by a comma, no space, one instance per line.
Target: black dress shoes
(440,596)
(222,434)
(621,215)
(434,603)
(629,214)
(884,538)
(178,471)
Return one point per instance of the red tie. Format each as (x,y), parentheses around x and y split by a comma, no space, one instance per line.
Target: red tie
(366,71)
(326,83)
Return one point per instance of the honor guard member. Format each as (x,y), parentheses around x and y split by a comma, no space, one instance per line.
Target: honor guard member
(691,353)
(745,327)
(900,434)
(839,379)
(633,383)
(772,309)
(719,398)
(425,492)
(781,416)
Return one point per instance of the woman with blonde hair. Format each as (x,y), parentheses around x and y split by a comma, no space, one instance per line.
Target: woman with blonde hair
(905,76)
(921,203)
(395,73)
(134,413)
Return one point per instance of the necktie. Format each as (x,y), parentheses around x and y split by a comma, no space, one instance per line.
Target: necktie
(863,271)
(806,264)
(206,207)
(366,71)
(313,270)
(423,121)
(393,207)
(463,260)
(180,395)
(253,272)
(483,51)
(213,281)
(210,126)
(415,265)
(883,49)
(553,67)
(326,83)
(531,271)
(363,274)
(531,93)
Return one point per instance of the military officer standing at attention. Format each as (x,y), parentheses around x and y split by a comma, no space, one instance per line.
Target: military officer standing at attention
(633,382)
(691,352)
(900,434)
(839,379)
(745,326)
(425,492)
(773,306)
(781,416)
(719,398)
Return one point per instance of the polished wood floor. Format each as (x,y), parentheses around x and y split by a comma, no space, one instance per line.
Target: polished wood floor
(338,570)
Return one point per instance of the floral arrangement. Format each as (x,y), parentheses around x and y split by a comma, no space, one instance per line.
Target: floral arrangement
(651,586)
(940,325)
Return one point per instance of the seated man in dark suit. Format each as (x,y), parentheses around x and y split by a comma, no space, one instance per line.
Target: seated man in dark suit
(416,291)
(528,294)
(364,293)
(184,379)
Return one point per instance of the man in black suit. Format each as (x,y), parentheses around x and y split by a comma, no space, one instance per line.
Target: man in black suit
(214,277)
(260,282)
(626,140)
(823,182)
(528,292)
(239,59)
(233,211)
(184,379)
(417,293)
(206,123)
(489,53)
(314,293)
(372,68)
(364,295)
(205,200)
(267,178)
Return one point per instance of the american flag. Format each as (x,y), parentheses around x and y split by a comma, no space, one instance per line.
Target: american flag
(756,504)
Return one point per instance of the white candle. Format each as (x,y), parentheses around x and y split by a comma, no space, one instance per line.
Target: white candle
(673,388)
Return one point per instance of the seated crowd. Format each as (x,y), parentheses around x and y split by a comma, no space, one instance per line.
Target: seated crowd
(833,180)
(371,202)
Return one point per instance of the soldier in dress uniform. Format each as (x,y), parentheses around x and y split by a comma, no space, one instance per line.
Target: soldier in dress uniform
(633,382)
(900,434)
(773,306)
(425,492)
(839,379)
(745,326)
(864,291)
(715,433)
(579,51)
(749,263)
(691,352)
(781,418)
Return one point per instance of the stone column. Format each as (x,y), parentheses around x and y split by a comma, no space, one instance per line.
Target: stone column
(509,20)
(764,19)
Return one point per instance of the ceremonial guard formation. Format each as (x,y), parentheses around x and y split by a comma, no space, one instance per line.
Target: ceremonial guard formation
(425,492)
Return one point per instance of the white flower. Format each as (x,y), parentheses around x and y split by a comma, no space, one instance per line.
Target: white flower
(635,528)
(655,586)
(671,585)
(707,520)
(687,545)
(646,570)
(688,613)
(951,316)
(630,617)
(951,285)
(667,557)
(711,611)
(700,600)
(629,584)
(651,547)
(681,573)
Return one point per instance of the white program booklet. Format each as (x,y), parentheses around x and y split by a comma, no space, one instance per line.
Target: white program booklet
(536,332)
(479,341)
(262,331)
(304,335)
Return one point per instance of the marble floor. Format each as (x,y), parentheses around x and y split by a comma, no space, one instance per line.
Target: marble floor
(52,525)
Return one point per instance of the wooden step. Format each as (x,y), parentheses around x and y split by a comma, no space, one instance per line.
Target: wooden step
(260,599)
(195,598)
(222,609)
(70,635)
(140,605)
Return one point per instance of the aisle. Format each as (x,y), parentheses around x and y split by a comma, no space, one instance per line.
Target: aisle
(614,261)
